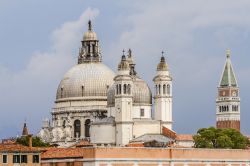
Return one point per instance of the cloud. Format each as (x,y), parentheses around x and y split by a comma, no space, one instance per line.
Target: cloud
(194,34)
(26,92)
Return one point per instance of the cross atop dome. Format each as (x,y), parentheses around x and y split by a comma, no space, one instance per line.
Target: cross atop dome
(90,25)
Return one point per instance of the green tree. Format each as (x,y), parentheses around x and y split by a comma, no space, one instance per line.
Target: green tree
(224,141)
(220,138)
(36,142)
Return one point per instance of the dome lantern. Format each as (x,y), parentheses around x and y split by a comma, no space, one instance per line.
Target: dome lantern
(90,50)
(123,65)
(162,66)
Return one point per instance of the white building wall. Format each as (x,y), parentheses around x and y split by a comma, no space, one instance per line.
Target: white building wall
(163,110)
(136,113)
(102,134)
(80,103)
(123,133)
(111,112)
(144,127)
(187,144)
(123,110)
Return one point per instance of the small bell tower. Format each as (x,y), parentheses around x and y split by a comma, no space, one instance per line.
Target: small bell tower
(123,103)
(163,94)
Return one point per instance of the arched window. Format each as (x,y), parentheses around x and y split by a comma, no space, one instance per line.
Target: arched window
(168,89)
(64,124)
(156,89)
(77,128)
(88,46)
(120,88)
(117,89)
(129,89)
(164,89)
(227,109)
(93,48)
(87,127)
(82,90)
(159,89)
(61,92)
(124,89)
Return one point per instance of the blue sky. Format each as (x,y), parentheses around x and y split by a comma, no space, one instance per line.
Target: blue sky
(39,42)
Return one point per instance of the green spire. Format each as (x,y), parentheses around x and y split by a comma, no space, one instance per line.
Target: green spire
(228,77)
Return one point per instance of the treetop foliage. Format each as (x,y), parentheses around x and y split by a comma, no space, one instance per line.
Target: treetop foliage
(36,142)
(220,138)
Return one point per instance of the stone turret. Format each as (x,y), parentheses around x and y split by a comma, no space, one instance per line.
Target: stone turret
(163,94)
(123,103)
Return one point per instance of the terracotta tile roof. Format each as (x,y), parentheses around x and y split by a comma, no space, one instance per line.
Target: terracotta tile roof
(13,147)
(82,143)
(168,133)
(184,137)
(135,144)
(62,153)
(9,141)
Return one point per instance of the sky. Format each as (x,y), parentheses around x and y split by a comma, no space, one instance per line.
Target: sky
(39,42)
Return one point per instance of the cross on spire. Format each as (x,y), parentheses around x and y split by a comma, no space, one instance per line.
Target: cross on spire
(162,53)
(123,51)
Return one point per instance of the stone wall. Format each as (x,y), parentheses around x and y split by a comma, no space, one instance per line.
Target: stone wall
(159,157)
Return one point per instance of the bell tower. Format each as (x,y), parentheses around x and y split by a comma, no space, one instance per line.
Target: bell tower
(163,94)
(123,103)
(228,99)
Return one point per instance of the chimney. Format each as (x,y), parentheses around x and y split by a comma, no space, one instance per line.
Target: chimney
(30,140)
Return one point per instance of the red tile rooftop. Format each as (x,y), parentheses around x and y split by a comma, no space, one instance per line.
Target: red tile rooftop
(13,147)
(184,137)
(59,153)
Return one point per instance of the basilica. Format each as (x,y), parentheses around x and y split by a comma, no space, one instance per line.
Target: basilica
(108,108)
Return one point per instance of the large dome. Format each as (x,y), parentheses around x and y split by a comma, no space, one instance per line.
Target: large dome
(141,93)
(86,80)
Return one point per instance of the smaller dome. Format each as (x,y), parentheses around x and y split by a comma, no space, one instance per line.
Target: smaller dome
(141,93)
(162,66)
(90,34)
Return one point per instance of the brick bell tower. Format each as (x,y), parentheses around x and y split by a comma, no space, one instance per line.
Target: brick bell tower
(228,100)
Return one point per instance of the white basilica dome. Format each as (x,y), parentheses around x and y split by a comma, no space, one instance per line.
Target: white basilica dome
(86,80)
(141,93)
